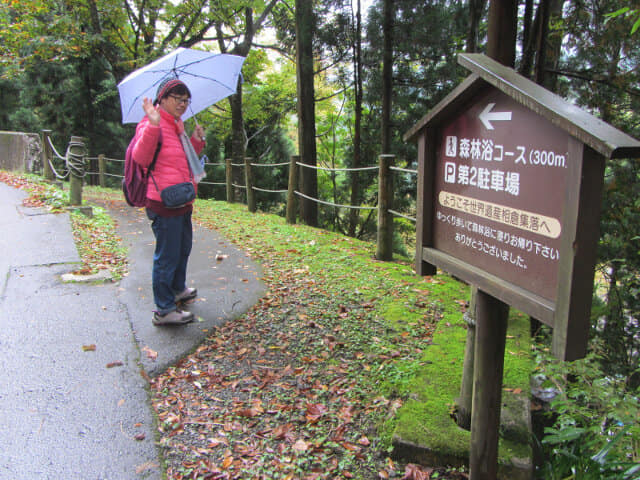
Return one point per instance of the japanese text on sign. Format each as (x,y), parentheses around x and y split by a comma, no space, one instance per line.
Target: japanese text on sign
(495,179)
(521,219)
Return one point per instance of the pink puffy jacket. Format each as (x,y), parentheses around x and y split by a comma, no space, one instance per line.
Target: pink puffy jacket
(171,166)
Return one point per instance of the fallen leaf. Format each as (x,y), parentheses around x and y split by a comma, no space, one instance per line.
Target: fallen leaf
(315,411)
(300,446)
(227,462)
(114,364)
(151,354)
(89,348)
(146,466)
(140,437)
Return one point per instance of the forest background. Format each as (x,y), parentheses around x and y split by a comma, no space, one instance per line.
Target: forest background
(62,60)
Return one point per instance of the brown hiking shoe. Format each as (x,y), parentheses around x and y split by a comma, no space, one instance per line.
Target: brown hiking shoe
(177,317)
(186,295)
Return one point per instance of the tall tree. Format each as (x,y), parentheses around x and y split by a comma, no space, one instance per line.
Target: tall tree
(501,42)
(357,126)
(235,29)
(387,75)
(605,80)
(305,24)
(476,10)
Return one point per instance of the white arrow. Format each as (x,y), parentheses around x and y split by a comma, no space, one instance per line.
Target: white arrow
(487,116)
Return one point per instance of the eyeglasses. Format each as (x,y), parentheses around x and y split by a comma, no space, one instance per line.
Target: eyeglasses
(179,100)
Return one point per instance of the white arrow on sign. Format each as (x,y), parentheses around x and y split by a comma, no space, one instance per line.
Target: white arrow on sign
(487,116)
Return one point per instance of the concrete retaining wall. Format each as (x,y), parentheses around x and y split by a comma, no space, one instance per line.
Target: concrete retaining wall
(20,151)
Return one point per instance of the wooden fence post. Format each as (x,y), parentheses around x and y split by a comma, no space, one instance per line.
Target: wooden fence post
(47,154)
(229,179)
(463,404)
(248,181)
(491,334)
(76,158)
(102,168)
(385,203)
(293,186)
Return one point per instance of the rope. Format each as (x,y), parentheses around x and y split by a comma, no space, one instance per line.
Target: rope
(237,186)
(75,161)
(361,169)
(219,164)
(269,191)
(269,164)
(54,150)
(212,183)
(398,214)
(334,204)
(237,164)
(405,170)
(50,161)
(55,172)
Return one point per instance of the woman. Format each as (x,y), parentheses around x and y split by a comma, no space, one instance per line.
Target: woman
(171,226)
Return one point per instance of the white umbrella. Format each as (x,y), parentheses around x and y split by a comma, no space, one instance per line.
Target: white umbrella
(209,76)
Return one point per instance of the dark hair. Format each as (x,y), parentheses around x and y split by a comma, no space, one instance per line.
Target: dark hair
(180,89)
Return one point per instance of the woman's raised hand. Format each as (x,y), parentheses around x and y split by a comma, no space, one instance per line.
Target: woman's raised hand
(151,111)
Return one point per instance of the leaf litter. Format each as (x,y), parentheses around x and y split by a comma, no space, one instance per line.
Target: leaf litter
(286,391)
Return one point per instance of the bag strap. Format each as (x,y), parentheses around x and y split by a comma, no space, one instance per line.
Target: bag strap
(153,162)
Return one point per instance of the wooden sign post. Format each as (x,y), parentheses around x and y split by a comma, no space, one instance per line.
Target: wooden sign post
(510,179)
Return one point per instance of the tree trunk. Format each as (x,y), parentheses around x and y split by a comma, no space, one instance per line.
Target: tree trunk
(238,141)
(306,109)
(357,150)
(475,14)
(554,47)
(543,29)
(387,75)
(503,25)
(528,39)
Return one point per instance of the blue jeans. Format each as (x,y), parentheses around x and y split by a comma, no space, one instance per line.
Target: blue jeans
(174,237)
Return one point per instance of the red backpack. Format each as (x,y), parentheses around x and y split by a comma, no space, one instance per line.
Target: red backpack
(134,183)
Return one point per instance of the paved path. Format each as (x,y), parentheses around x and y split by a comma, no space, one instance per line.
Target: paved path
(63,412)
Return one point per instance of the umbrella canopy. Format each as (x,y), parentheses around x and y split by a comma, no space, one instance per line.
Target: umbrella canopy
(209,76)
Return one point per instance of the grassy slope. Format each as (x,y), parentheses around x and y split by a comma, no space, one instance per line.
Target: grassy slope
(431,378)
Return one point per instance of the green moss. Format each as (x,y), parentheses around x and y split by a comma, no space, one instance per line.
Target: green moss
(426,420)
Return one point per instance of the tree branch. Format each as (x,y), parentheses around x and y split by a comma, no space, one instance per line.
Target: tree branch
(596,79)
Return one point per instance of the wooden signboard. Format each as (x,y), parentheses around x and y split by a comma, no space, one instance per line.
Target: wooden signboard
(509,190)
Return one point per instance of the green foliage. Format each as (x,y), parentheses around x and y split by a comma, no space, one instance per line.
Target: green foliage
(616,326)
(626,11)
(594,432)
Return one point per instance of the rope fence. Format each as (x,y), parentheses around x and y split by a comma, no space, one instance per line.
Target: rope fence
(405,170)
(281,191)
(57,155)
(76,159)
(333,204)
(326,169)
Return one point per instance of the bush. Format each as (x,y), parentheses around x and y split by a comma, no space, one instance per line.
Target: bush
(594,432)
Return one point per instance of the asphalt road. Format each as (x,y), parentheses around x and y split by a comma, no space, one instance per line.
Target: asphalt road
(73,401)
